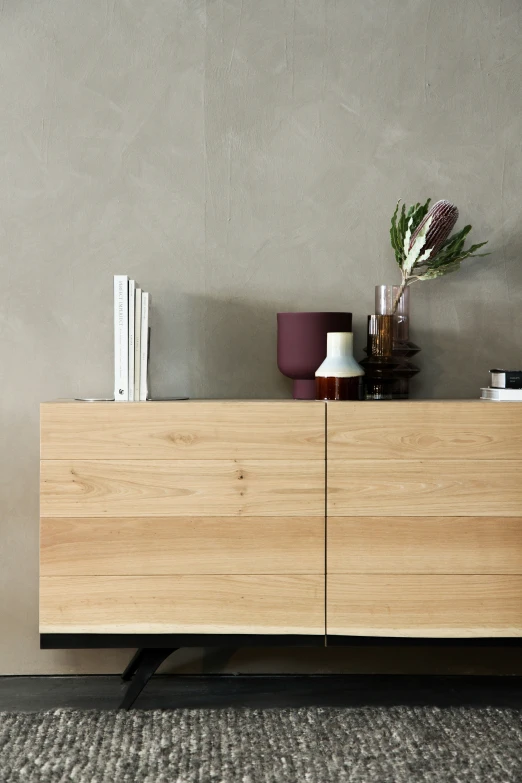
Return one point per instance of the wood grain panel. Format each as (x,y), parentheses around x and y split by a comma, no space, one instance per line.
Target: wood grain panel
(131,488)
(182,604)
(181,545)
(424,488)
(192,429)
(425,545)
(433,429)
(439,606)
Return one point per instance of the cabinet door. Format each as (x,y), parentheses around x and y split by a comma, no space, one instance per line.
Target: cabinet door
(190,517)
(424,519)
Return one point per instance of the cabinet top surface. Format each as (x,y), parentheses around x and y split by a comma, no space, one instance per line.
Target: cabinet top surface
(109,403)
(268,401)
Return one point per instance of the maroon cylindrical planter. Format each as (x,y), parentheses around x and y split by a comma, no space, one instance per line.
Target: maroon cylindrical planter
(301,346)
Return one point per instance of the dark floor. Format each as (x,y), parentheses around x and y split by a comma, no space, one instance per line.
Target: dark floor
(27,694)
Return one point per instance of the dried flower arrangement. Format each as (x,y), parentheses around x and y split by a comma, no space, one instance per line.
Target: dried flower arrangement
(423,247)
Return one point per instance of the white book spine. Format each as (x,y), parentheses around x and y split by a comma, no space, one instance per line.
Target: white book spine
(144,365)
(137,344)
(121,338)
(132,296)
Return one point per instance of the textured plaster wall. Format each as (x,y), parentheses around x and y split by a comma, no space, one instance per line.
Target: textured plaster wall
(236,158)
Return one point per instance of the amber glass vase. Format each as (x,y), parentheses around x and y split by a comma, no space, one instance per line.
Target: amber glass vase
(398,378)
(380,364)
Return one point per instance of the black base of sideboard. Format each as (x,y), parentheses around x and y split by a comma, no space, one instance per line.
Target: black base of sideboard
(90,641)
(154,649)
(424,641)
(93,641)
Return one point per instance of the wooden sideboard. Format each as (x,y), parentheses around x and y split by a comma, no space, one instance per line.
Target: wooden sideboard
(279,522)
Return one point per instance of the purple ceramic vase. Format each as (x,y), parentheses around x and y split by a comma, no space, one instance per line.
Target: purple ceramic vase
(301,346)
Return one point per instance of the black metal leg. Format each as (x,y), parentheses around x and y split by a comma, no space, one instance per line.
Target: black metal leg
(133,665)
(143,665)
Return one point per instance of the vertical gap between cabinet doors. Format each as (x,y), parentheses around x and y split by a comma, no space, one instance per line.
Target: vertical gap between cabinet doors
(325,524)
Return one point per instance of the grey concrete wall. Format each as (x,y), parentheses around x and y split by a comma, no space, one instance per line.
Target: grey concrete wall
(236,158)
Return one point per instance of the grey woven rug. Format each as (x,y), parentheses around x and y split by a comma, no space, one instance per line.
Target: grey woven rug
(366,745)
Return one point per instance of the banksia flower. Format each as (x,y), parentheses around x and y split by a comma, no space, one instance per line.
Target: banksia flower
(443,216)
(422,244)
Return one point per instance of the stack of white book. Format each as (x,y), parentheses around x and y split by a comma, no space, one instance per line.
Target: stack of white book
(501,395)
(131,340)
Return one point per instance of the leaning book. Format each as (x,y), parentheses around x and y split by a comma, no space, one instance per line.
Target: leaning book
(137,343)
(132,318)
(145,344)
(121,338)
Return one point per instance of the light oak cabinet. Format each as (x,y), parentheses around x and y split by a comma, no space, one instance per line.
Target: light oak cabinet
(424,508)
(184,517)
(283,519)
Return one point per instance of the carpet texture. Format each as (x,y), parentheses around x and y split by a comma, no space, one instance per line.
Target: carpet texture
(366,745)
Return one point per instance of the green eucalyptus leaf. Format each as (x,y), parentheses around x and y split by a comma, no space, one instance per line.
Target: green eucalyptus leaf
(476,247)
(402,223)
(462,234)
(431,274)
(394,235)
(456,252)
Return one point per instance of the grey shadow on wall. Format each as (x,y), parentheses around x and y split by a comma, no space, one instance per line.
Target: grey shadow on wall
(455,363)
(233,349)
